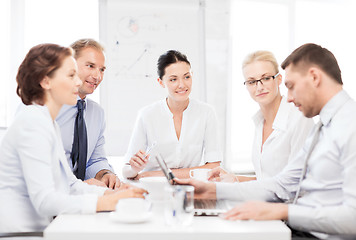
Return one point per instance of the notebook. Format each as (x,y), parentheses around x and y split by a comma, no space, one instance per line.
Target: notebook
(202,207)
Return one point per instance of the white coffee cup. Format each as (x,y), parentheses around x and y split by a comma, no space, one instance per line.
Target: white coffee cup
(155,187)
(199,173)
(133,207)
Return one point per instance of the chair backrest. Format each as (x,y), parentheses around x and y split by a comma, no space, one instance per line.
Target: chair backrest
(20,234)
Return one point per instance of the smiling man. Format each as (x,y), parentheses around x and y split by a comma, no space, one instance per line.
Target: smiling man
(82,126)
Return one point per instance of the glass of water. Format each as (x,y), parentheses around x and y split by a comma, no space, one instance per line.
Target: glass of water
(179,205)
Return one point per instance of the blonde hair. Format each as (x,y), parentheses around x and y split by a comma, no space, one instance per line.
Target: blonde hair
(81,44)
(261,56)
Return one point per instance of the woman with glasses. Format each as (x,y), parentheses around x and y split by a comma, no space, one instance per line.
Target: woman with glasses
(280,129)
(182,130)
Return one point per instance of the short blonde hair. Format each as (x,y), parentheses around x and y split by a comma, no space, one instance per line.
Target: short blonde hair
(81,44)
(261,56)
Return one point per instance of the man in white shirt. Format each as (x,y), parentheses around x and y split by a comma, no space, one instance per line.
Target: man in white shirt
(326,206)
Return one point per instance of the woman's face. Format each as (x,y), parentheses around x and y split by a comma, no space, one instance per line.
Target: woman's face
(178,81)
(64,84)
(263,93)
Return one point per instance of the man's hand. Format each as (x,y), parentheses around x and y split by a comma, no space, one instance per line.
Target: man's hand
(201,189)
(258,211)
(109,179)
(218,174)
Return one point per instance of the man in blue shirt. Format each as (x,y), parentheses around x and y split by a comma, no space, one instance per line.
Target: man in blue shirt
(91,66)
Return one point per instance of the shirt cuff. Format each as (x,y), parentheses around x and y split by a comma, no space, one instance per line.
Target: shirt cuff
(92,170)
(297,216)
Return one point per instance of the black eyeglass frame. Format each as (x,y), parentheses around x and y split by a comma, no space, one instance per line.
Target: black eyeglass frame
(251,82)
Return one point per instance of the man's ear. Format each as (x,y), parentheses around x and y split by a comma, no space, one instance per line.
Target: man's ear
(159,80)
(315,75)
(45,83)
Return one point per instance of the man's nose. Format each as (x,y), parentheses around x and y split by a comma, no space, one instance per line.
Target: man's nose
(97,75)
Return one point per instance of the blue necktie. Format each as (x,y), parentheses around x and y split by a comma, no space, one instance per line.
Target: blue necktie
(79,148)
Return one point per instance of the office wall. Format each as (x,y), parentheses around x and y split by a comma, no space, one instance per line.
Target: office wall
(135,33)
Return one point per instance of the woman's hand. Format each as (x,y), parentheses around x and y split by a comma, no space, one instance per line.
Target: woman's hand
(220,175)
(108,201)
(139,161)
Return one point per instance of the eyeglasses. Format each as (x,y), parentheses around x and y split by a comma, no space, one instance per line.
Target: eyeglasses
(263,80)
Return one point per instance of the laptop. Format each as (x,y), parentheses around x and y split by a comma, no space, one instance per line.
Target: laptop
(202,207)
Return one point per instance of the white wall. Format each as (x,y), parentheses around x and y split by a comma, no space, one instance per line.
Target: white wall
(203,35)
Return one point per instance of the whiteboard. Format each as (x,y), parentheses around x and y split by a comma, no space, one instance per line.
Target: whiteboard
(135,33)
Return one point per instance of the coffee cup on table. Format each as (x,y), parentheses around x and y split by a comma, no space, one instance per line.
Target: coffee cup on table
(199,174)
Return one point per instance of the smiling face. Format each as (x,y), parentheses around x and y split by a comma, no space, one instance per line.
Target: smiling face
(267,92)
(178,81)
(91,67)
(301,91)
(64,84)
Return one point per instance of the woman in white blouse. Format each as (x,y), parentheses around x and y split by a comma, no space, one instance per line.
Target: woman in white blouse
(36,182)
(280,128)
(182,130)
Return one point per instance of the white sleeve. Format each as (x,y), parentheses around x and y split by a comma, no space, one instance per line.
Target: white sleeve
(281,187)
(212,149)
(138,142)
(37,148)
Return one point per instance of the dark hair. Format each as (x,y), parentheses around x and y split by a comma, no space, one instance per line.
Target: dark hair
(313,54)
(42,60)
(81,44)
(166,59)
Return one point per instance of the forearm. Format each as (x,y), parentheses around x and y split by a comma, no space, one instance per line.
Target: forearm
(97,165)
(331,220)
(245,179)
(246,191)
(184,172)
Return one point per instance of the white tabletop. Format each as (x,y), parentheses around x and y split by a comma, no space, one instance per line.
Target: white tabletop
(101,226)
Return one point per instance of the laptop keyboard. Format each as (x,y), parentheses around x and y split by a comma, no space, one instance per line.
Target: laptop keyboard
(209,204)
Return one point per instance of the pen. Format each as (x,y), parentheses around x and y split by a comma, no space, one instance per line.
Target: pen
(149,149)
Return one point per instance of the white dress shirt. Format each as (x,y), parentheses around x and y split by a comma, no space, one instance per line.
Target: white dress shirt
(198,142)
(328,201)
(290,129)
(95,123)
(36,182)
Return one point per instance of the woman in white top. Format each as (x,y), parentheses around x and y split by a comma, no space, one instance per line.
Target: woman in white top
(182,130)
(280,128)
(36,182)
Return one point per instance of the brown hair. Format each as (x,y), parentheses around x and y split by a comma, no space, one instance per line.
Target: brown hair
(42,60)
(81,44)
(313,54)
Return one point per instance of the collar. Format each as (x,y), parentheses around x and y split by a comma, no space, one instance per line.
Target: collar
(332,106)
(168,111)
(281,120)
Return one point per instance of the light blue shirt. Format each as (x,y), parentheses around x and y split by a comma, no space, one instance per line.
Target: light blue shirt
(328,201)
(95,123)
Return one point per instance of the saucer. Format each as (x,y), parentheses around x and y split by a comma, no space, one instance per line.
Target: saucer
(123,218)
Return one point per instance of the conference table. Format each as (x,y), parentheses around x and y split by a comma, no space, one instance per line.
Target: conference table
(102,226)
